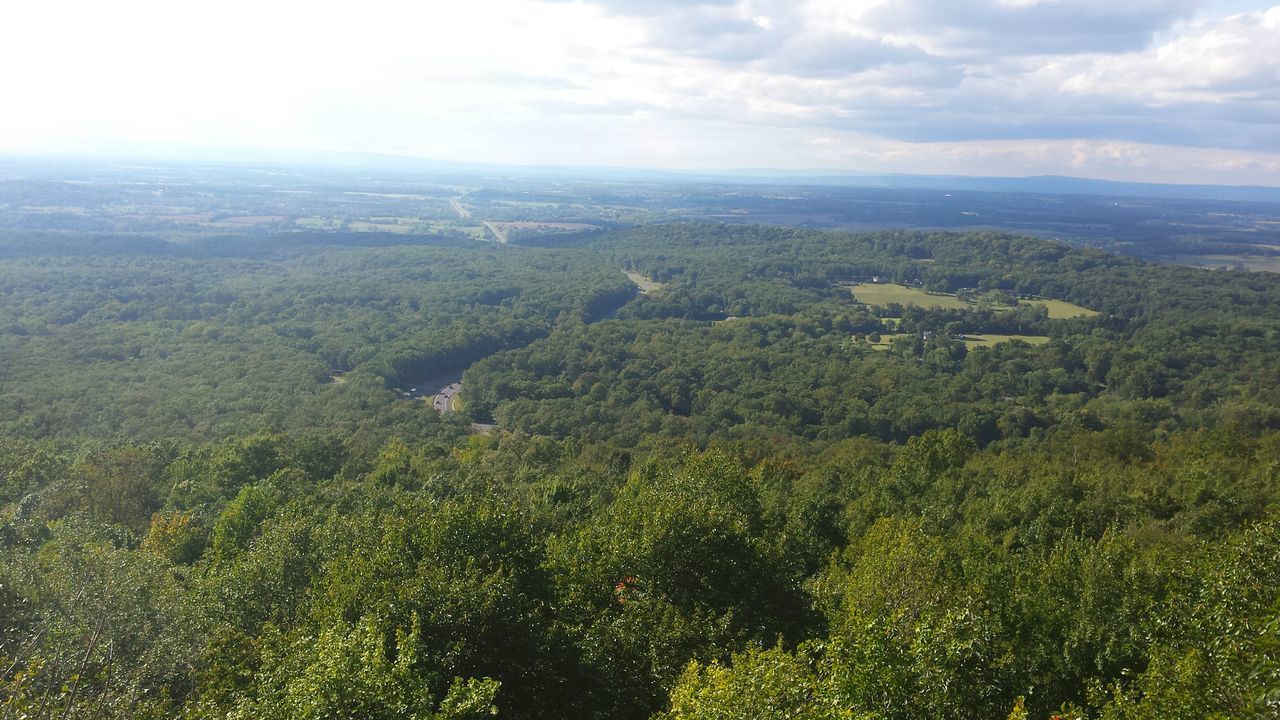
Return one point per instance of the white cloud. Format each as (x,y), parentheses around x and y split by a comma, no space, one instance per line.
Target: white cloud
(1232,59)
(1137,89)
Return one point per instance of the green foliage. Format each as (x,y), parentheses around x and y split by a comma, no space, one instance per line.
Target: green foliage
(175,537)
(240,521)
(794,361)
(759,684)
(760,517)
(664,574)
(355,674)
(113,635)
(162,340)
(1220,659)
(464,575)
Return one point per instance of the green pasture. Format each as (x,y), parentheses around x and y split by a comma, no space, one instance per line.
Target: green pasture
(989,339)
(883,294)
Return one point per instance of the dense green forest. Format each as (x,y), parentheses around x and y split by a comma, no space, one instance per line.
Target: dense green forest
(1171,347)
(743,494)
(152,340)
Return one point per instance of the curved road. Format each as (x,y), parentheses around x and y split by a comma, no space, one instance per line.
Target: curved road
(443,403)
(443,400)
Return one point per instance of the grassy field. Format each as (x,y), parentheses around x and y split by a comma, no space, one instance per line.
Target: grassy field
(885,341)
(318,223)
(361,226)
(252,220)
(970,341)
(1061,310)
(886,294)
(403,225)
(645,284)
(988,339)
(1257,263)
(545,226)
(882,294)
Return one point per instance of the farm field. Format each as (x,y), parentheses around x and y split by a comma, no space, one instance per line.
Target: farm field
(563,227)
(253,219)
(475,232)
(1256,263)
(362,226)
(989,339)
(883,294)
(505,230)
(318,223)
(1062,310)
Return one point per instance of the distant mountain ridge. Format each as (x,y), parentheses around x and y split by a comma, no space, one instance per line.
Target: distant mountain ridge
(1060,184)
(1038,184)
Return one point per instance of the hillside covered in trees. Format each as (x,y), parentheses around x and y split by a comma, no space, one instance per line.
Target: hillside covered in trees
(745,493)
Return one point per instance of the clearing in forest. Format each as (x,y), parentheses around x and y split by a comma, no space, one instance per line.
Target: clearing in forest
(1061,309)
(645,284)
(882,294)
(970,341)
(886,341)
(988,339)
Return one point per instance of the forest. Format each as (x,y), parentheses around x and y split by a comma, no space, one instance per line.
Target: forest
(743,493)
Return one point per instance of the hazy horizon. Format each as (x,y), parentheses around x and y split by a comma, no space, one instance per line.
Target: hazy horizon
(1155,91)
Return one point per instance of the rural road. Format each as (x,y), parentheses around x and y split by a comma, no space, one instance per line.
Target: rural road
(501,235)
(463,213)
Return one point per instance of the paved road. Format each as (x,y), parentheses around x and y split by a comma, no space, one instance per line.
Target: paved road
(443,404)
(501,235)
(443,401)
(463,213)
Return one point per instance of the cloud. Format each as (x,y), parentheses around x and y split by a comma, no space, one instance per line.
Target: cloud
(1230,59)
(935,71)
(1085,154)
(972,29)
(1036,86)
(657,7)
(727,33)
(1029,27)
(827,54)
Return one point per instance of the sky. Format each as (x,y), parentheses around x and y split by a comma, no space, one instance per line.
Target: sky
(1184,91)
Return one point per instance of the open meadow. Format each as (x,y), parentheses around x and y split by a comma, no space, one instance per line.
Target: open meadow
(885,294)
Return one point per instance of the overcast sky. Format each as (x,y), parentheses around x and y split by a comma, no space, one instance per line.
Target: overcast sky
(1155,90)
